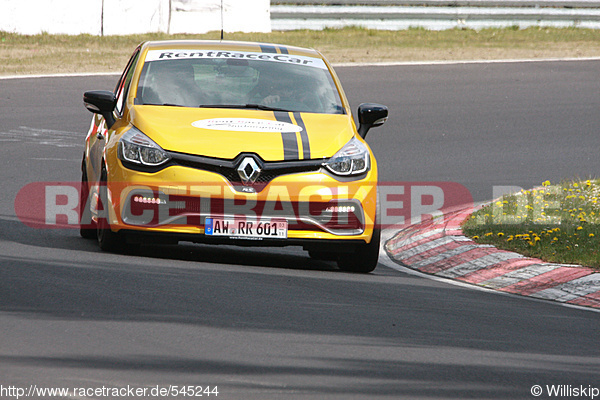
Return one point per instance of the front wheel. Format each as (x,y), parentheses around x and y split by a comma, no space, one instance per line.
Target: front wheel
(364,259)
(107,239)
(87,227)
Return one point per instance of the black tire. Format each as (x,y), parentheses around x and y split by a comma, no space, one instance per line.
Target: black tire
(87,231)
(107,239)
(366,256)
(364,259)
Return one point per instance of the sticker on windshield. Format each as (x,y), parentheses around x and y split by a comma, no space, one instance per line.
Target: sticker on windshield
(158,55)
(246,125)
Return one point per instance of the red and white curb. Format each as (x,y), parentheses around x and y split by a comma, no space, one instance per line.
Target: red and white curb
(439,248)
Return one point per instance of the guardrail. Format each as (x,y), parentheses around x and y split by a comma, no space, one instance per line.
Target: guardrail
(449,3)
(433,14)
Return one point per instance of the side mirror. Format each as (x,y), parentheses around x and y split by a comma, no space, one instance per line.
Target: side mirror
(101,102)
(370,115)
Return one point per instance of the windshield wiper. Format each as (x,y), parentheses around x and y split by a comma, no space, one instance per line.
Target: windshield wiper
(163,104)
(243,106)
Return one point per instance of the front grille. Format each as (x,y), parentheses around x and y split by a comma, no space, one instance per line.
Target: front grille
(228,168)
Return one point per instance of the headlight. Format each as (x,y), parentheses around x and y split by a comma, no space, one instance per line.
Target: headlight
(352,159)
(137,148)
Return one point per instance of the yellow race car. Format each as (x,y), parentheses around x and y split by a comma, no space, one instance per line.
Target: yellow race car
(231,143)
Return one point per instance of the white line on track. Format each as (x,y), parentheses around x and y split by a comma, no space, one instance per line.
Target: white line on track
(73,75)
(336,65)
(458,62)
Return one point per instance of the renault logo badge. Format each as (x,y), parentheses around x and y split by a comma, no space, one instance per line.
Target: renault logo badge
(248,171)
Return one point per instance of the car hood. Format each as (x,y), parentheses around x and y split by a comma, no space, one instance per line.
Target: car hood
(225,133)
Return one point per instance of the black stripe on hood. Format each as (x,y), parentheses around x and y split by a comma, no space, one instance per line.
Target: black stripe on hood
(290,142)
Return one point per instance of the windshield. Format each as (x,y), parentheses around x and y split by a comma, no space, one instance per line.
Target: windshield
(240,80)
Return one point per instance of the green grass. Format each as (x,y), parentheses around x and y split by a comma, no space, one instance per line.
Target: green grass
(44,53)
(557,223)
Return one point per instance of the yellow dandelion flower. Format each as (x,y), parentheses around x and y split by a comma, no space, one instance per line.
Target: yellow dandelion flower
(500,234)
(591,235)
(579,228)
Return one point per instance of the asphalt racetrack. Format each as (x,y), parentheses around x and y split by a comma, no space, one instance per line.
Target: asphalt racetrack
(272,323)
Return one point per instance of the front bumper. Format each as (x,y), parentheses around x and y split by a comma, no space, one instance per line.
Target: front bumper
(175,202)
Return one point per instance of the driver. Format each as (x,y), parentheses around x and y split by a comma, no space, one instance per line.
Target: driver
(283,91)
(272,89)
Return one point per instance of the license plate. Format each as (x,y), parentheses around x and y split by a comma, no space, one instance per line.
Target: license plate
(246,228)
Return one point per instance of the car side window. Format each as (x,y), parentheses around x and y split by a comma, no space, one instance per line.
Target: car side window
(123,86)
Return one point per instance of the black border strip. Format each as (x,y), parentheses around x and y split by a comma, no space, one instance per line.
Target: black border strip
(268,49)
(303,136)
(290,142)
